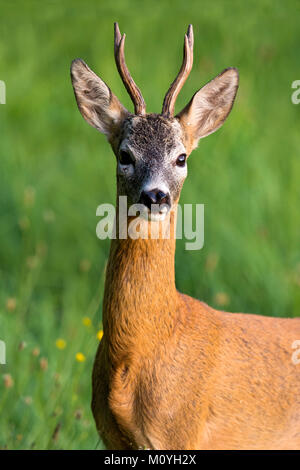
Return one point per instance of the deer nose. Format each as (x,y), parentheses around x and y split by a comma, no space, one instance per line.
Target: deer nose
(155,196)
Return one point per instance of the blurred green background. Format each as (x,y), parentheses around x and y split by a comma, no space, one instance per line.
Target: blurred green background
(55,170)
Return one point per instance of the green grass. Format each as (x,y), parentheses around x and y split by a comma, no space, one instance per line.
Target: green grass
(55,170)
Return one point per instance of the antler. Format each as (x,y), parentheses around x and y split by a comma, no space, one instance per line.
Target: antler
(131,87)
(187,63)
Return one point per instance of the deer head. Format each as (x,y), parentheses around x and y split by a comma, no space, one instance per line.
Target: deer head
(152,149)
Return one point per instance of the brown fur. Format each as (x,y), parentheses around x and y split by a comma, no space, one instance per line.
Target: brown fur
(173,373)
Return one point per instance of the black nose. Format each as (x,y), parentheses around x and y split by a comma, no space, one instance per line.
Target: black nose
(155,196)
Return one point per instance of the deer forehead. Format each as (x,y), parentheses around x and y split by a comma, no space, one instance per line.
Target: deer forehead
(152,137)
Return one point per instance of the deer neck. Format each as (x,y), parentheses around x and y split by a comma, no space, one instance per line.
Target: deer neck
(140,297)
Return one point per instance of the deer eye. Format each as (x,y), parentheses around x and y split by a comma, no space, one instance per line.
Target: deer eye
(125,158)
(181,160)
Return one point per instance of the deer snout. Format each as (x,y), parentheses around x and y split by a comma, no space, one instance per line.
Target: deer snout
(155,196)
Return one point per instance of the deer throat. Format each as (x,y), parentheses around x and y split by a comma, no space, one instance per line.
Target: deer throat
(140,297)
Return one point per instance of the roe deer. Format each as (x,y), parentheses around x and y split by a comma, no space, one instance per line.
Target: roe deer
(172,372)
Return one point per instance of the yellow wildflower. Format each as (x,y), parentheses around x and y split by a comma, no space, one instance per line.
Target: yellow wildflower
(80,357)
(60,343)
(86,321)
(100,334)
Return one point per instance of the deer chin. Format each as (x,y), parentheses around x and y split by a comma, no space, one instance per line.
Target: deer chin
(156,215)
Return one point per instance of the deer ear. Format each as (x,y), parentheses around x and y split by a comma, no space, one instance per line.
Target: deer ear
(209,107)
(96,102)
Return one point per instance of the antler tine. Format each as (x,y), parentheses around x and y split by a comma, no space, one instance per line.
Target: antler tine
(117,37)
(186,67)
(131,87)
